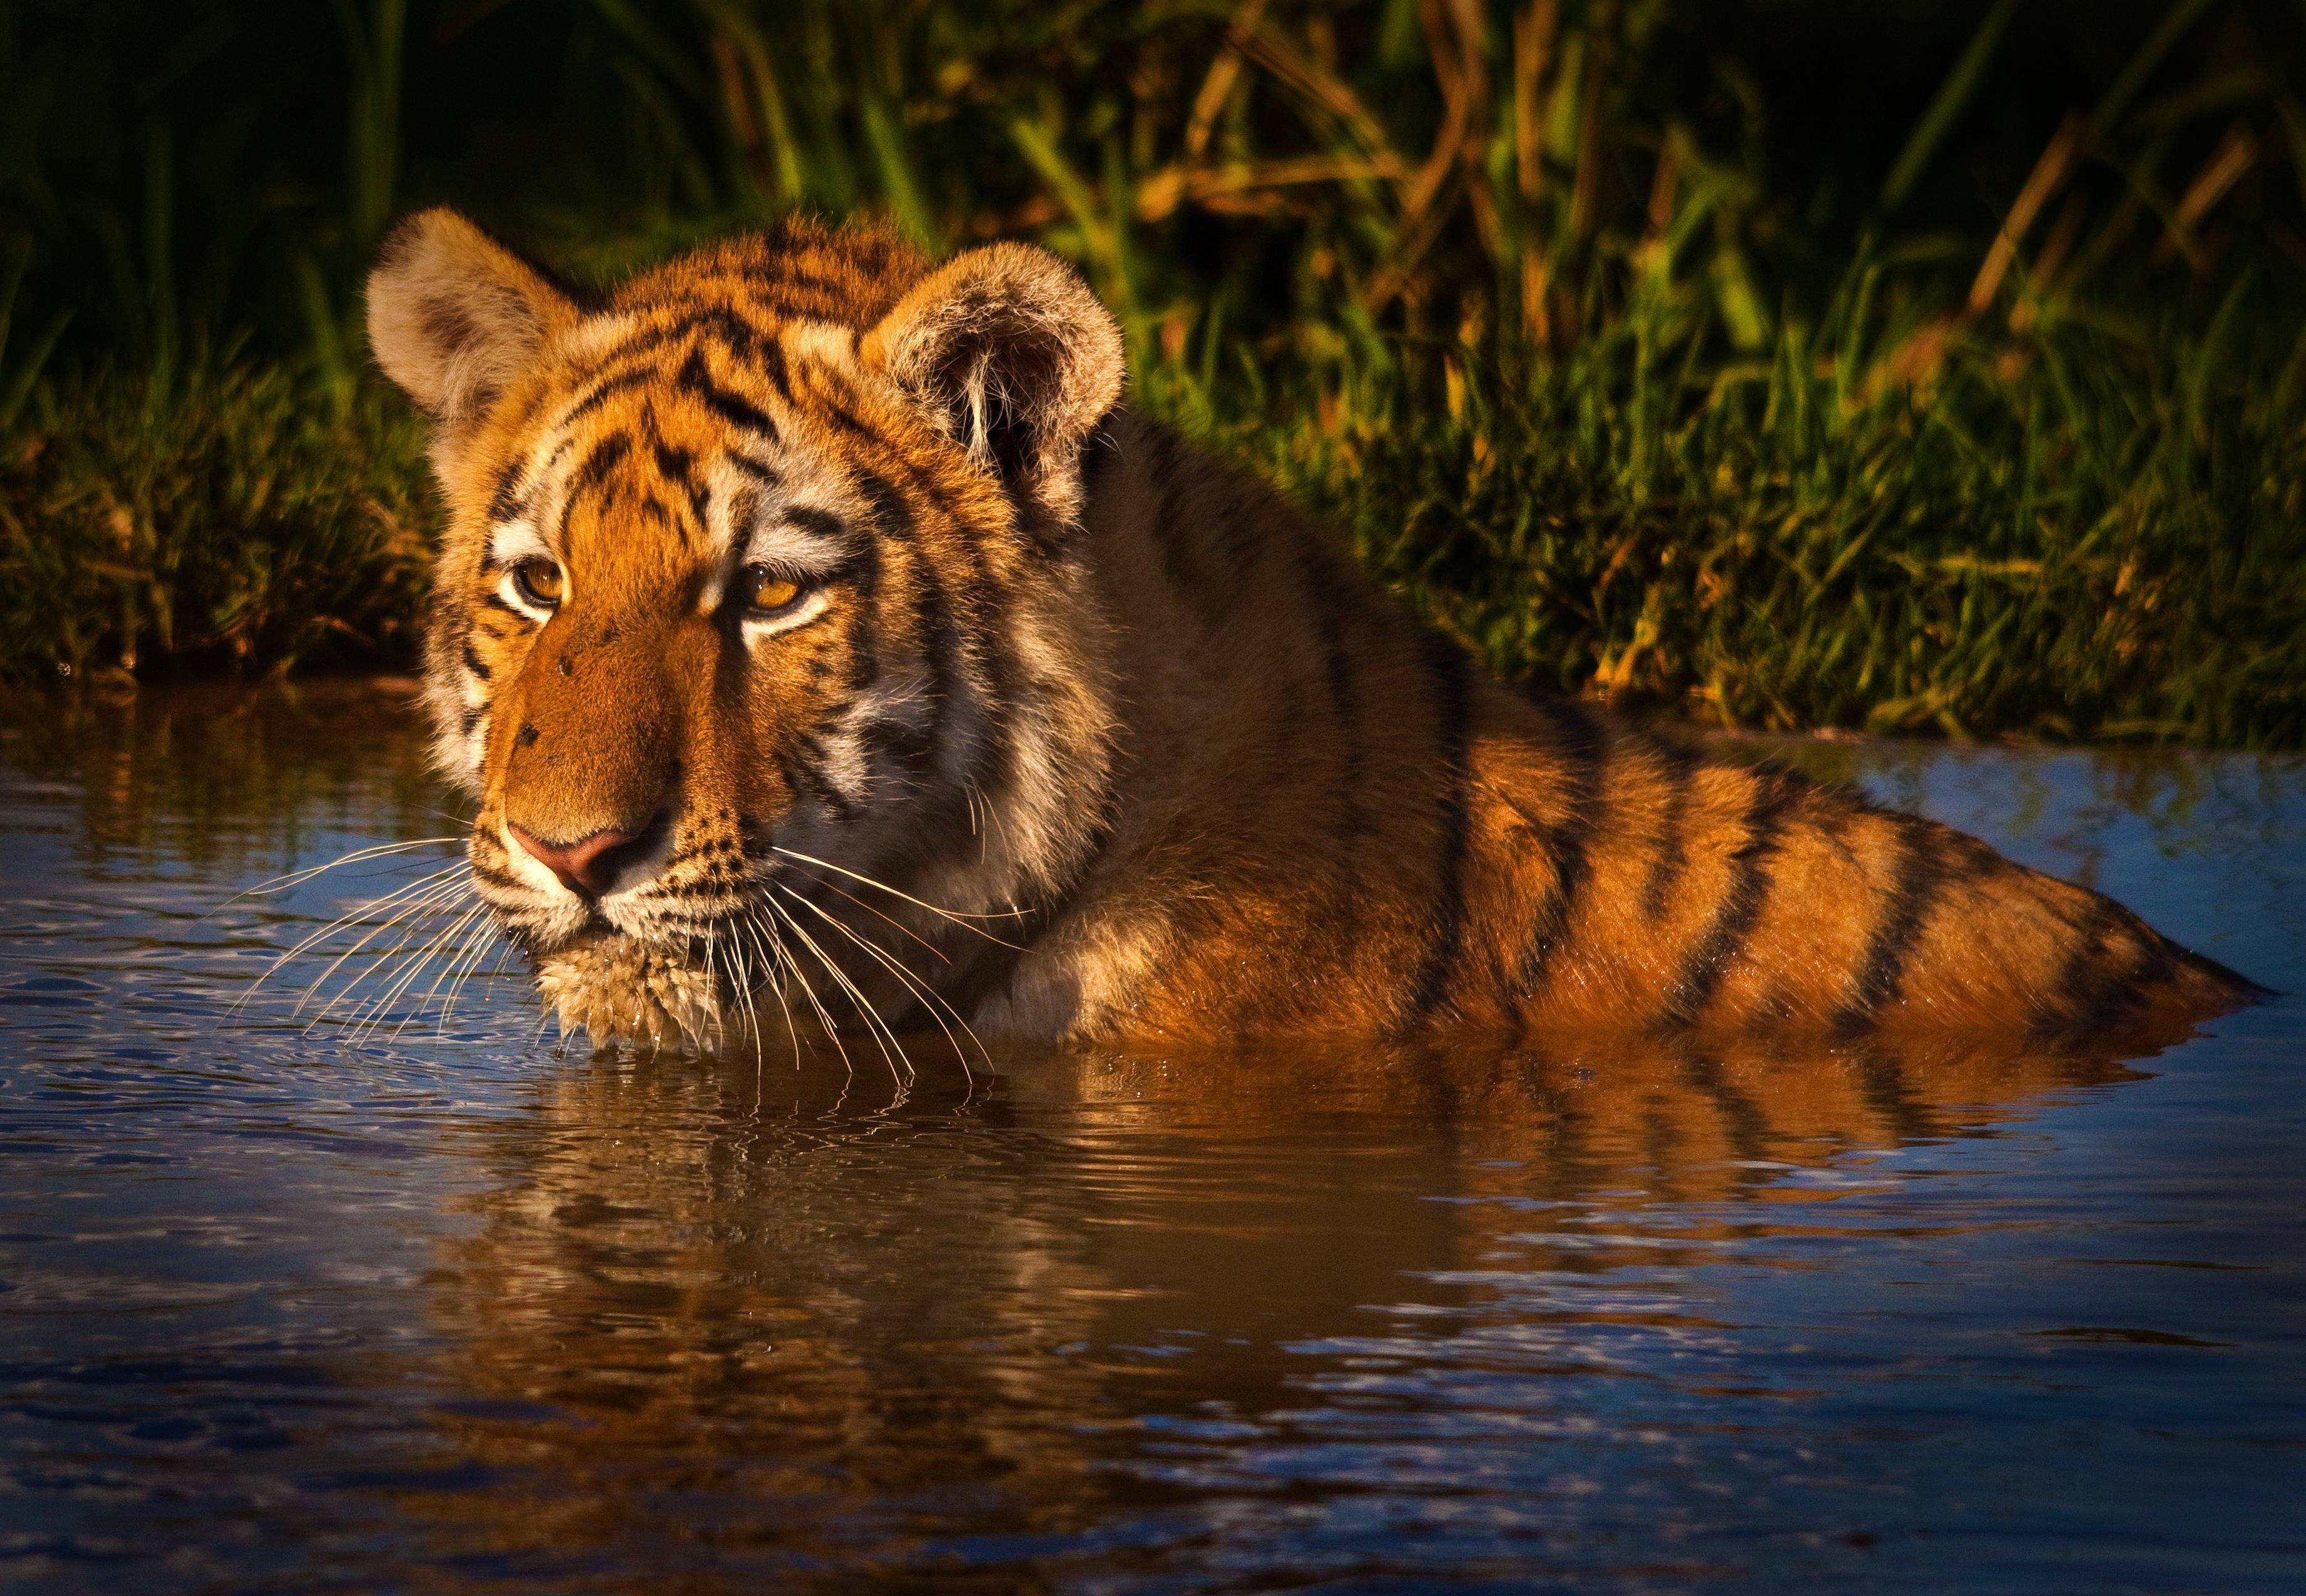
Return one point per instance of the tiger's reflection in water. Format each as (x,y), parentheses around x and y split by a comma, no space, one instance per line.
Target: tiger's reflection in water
(757,1316)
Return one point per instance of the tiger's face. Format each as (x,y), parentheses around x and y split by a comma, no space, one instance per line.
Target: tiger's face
(758,585)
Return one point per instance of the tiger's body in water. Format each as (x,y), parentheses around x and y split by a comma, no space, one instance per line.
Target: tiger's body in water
(818,632)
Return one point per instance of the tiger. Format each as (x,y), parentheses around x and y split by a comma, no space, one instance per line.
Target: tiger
(819,633)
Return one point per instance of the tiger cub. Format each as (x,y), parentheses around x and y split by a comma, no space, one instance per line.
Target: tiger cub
(819,634)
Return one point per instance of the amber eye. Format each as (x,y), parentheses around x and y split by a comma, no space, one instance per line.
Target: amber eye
(541,582)
(761,593)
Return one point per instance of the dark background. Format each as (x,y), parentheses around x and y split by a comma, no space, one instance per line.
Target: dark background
(166,165)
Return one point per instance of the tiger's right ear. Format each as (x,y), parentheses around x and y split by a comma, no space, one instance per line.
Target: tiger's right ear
(1010,355)
(453,315)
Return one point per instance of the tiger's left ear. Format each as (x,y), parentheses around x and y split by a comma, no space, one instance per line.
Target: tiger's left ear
(1014,358)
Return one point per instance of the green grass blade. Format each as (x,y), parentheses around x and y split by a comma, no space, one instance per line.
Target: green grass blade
(1946,107)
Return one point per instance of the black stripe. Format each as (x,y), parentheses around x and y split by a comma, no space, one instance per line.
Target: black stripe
(1580,741)
(1921,878)
(504,504)
(597,466)
(700,502)
(910,748)
(819,524)
(1429,987)
(1743,1122)
(589,473)
(801,775)
(740,338)
(744,515)
(796,303)
(1882,1080)
(2152,966)
(695,379)
(602,391)
(2102,980)
(891,516)
(1681,770)
(941,642)
(839,415)
(768,360)
(1775,793)
(2083,967)
(768,476)
(864,570)
(797,279)
(473,663)
(677,465)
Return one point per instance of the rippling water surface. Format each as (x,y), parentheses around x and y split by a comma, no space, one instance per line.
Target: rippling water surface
(437,1307)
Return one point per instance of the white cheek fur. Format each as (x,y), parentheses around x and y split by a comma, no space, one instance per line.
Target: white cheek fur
(512,541)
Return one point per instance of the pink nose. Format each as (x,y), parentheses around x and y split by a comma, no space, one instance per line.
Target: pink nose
(587,867)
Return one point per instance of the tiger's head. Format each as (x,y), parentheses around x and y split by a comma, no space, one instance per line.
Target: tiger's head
(761,575)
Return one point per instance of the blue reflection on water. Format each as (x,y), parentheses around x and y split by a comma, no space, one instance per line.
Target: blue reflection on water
(438,1306)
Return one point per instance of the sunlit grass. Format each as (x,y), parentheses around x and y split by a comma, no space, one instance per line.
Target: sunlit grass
(231,519)
(1503,288)
(2082,539)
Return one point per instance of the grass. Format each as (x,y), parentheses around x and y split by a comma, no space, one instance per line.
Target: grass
(232,519)
(1638,342)
(2085,548)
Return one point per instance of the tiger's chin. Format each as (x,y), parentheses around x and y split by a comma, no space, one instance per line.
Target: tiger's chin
(630,993)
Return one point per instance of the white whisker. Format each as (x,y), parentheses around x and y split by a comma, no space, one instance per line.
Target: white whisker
(777,959)
(808,991)
(486,934)
(422,884)
(464,936)
(875,1026)
(929,998)
(439,901)
(879,915)
(367,1019)
(295,878)
(955,916)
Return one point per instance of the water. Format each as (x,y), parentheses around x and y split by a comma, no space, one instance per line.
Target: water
(449,1309)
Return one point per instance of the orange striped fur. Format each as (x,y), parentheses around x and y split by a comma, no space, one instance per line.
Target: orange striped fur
(1058,728)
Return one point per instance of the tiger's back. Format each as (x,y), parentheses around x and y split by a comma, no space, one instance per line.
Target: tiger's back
(1337,823)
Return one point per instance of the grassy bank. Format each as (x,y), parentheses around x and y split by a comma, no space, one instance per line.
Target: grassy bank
(232,520)
(2086,535)
(1925,366)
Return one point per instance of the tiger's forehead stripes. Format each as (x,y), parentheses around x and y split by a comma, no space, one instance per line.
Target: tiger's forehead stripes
(676,461)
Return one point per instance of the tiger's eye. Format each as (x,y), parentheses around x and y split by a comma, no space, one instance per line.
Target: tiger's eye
(541,582)
(761,590)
